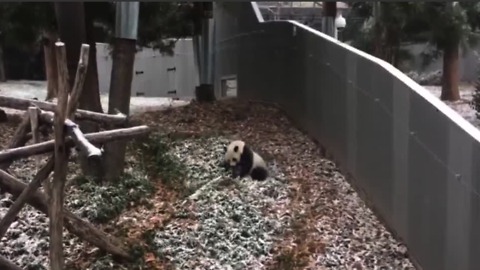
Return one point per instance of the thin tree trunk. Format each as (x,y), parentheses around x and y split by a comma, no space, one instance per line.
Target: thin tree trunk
(71,28)
(90,99)
(76,29)
(123,58)
(50,65)
(3,76)
(450,76)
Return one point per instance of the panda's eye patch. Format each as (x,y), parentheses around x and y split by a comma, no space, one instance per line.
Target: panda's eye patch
(234,159)
(235,149)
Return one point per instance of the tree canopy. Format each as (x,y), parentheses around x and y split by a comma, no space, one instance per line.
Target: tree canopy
(22,23)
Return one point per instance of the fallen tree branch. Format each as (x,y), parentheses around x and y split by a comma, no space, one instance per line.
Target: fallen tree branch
(90,150)
(94,138)
(26,193)
(23,104)
(73,224)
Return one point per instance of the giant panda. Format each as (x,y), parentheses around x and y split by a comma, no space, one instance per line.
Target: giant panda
(244,161)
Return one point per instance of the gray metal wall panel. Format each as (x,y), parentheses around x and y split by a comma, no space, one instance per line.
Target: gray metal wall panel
(400,157)
(474,188)
(458,199)
(375,137)
(410,153)
(352,123)
(429,137)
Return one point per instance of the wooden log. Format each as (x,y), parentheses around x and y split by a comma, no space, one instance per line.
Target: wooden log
(23,104)
(57,194)
(88,149)
(94,138)
(26,193)
(79,80)
(5,264)
(73,224)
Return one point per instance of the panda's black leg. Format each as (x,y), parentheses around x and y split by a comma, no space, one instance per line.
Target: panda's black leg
(224,165)
(259,174)
(236,171)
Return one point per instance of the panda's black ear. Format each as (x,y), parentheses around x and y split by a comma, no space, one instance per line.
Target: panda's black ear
(224,149)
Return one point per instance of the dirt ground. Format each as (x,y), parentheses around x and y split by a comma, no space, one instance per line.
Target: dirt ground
(323,224)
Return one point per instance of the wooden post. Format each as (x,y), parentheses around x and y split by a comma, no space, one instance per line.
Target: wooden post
(50,64)
(79,81)
(57,195)
(33,114)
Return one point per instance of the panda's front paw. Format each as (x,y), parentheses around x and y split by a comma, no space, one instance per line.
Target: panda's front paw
(223,164)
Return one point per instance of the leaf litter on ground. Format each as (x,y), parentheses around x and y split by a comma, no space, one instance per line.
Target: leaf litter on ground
(312,219)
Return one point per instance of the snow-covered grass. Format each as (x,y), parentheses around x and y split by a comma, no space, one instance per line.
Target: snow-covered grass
(462,106)
(225,226)
(26,241)
(230,224)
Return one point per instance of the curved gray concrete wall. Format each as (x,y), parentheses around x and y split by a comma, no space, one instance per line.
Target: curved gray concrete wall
(414,157)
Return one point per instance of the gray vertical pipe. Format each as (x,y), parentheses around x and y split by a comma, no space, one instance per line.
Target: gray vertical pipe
(204,51)
(328,21)
(126,19)
(211,58)
(196,56)
(328,26)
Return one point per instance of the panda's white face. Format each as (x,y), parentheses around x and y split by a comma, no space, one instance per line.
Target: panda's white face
(234,152)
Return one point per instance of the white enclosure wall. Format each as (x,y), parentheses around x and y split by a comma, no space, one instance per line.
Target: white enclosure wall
(155,75)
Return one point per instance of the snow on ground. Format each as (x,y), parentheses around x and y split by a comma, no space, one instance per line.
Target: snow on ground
(228,227)
(38,89)
(461,106)
(26,241)
(321,224)
(234,226)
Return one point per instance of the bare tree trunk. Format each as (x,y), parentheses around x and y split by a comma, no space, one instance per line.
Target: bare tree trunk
(71,28)
(123,58)
(50,65)
(90,99)
(450,76)
(81,25)
(3,76)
